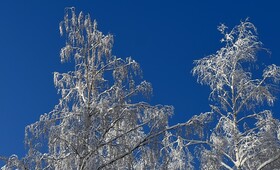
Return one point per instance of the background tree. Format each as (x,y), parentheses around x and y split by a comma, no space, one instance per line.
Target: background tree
(246,136)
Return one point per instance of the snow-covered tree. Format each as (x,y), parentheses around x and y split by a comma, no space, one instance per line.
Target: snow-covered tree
(99,122)
(245,136)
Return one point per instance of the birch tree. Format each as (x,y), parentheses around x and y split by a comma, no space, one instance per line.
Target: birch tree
(245,136)
(100,121)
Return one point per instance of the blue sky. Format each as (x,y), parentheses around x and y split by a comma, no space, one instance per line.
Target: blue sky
(163,36)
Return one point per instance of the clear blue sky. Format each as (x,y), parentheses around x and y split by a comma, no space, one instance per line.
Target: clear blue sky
(164,36)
